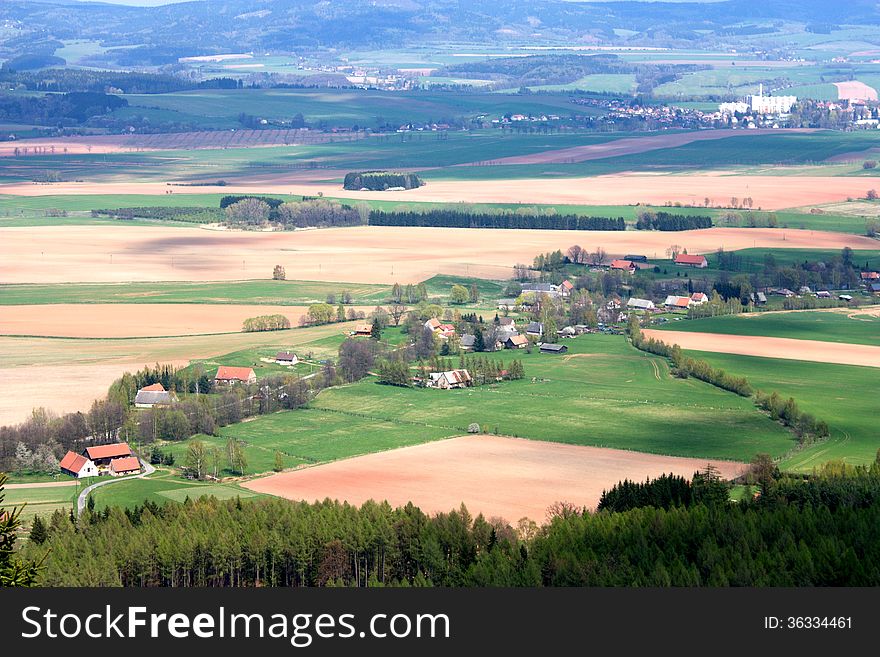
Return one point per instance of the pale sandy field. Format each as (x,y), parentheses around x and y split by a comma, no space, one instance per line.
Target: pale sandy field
(631,145)
(136,320)
(67,375)
(788,348)
(510,478)
(767,192)
(855,90)
(367,254)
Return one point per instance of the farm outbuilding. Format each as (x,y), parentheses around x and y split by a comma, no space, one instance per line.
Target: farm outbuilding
(77,465)
(286,358)
(548,348)
(687,260)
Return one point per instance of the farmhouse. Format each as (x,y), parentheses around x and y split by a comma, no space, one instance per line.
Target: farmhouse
(874,288)
(77,465)
(568,332)
(535,328)
(449,380)
(231,375)
(516,342)
(566,288)
(870,275)
(103,455)
(548,348)
(287,358)
(542,288)
(699,298)
(154,395)
(679,303)
(467,341)
(507,304)
(640,304)
(624,265)
(507,322)
(687,260)
(361,330)
(124,466)
(823,294)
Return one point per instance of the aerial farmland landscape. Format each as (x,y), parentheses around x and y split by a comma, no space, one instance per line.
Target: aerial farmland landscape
(439,294)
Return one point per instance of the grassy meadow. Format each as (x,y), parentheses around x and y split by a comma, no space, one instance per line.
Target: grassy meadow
(848,325)
(842,395)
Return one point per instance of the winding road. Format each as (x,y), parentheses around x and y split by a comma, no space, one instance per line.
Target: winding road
(84,495)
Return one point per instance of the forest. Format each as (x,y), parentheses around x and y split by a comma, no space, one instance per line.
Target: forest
(380,180)
(820,532)
(671,222)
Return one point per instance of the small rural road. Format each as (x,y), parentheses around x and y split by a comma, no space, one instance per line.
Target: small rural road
(84,496)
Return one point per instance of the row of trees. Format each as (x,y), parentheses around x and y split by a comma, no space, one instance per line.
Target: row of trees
(648,220)
(805,426)
(380,180)
(472,219)
(824,532)
(265,323)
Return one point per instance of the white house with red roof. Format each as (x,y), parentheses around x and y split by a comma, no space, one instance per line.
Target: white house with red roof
(699,298)
(102,455)
(624,265)
(77,465)
(687,260)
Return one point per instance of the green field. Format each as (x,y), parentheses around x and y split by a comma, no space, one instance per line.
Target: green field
(603,393)
(842,395)
(804,325)
(42,501)
(269,292)
(161,488)
(308,436)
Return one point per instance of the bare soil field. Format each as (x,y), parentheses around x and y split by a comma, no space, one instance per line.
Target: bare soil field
(64,375)
(768,192)
(788,348)
(855,90)
(165,142)
(136,320)
(510,478)
(57,387)
(630,146)
(367,254)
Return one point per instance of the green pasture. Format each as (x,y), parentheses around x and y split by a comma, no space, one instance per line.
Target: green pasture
(308,436)
(842,395)
(602,393)
(268,292)
(161,488)
(848,326)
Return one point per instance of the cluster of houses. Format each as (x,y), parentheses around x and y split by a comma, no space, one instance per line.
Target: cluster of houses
(871,281)
(115,460)
(673,302)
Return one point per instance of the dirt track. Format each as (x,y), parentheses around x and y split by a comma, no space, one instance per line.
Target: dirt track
(788,348)
(373,254)
(135,320)
(508,478)
(767,192)
(632,145)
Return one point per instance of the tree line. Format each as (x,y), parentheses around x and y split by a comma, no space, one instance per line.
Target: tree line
(439,217)
(666,221)
(380,180)
(822,532)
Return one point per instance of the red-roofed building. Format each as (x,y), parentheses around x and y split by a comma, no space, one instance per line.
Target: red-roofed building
(232,375)
(687,260)
(624,265)
(77,465)
(699,298)
(103,454)
(566,288)
(155,387)
(871,275)
(123,466)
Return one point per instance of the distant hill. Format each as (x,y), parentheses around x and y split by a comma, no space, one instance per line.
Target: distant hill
(214,26)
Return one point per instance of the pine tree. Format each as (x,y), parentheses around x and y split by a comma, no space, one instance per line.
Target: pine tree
(14,571)
(38,533)
(90,504)
(479,341)
(376,331)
